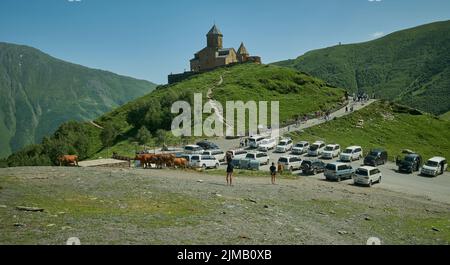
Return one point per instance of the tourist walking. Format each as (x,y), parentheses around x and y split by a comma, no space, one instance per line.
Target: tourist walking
(273,173)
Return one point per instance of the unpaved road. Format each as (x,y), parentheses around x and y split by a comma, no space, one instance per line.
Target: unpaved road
(137,206)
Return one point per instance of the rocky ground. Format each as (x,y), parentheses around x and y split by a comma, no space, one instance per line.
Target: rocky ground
(136,206)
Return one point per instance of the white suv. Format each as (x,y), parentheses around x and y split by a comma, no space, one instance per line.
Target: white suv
(204,161)
(331,151)
(284,145)
(316,149)
(217,153)
(300,148)
(351,153)
(262,157)
(434,166)
(267,144)
(367,176)
(290,163)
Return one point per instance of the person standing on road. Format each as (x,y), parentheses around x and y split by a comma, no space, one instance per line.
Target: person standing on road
(273,173)
(230,169)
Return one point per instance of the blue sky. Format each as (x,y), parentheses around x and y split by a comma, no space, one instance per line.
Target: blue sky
(149,39)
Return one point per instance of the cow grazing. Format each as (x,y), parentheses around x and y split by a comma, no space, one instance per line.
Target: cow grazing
(68,160)
(180,163)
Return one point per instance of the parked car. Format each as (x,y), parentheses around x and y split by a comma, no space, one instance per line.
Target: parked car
(290,163)
(367,176)
(267,144)
(312,167)
(262,157)
(316,148)
(300,148)
(338,171)
(284,145)
(376,157)
(193,149)
(204,161)
(237,154)
(207,145)
(410,163)
(434,166)
(217,153)
(331,151)
(351,153)
(255,140)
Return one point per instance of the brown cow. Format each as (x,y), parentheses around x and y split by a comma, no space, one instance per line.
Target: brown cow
(180,162)
(68,160)
(145,159)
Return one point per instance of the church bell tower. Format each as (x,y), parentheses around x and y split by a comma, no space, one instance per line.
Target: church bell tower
(214,38)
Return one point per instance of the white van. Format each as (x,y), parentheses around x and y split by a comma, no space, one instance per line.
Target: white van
(290,163)
(434,166)
(367,176)
(204,161)
(255,140)
(300,148)
(237,154)
(331,151)
(284,145)
(316,149)
(262,157)
(217,153)
(267,144)
(352,153)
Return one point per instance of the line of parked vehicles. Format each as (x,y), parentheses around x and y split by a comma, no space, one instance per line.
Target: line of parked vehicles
(206,155)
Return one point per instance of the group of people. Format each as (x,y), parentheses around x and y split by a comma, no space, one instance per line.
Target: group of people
(230,170)
(362,97)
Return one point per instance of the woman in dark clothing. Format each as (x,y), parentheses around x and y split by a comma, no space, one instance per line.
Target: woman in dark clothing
(273,173)
(230,169)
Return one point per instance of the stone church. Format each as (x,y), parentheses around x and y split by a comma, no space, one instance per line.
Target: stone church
(214,55)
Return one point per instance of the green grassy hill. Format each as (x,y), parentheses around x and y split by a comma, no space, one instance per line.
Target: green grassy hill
(297,93)
(410,66)
(39,93)
(445,116)
(386,125)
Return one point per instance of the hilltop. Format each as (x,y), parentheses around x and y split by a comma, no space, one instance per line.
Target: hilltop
(297,93)
(410,66)
(39,93)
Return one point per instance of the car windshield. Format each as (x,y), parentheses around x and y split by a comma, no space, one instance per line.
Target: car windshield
(348,151)
(283,160)
(314,147)
(432,163)
(299,145)
(373,153)
(251,140)
(282,143)
(362,172)
(329,148)
(251,156)
(409,158)
(331,167)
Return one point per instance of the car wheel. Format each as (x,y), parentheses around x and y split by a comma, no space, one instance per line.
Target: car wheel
(379,180)
(291,169)
(315,172)
(370,183)
(339,179)
(217,166)
(204,166)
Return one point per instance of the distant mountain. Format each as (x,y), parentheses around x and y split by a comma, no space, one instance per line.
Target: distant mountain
(410,66)
(39,93)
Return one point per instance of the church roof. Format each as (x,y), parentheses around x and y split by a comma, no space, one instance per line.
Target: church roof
(214,31)
(242,50)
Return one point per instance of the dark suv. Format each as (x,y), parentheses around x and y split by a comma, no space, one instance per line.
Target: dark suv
(376,157)
(206,145)
(312,167)
(409,163)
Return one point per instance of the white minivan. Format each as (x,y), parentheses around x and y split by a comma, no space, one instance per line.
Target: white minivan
(367,176)
(300,148)
(434,166)
(331,151)
(255,140)
(262,157)
(217,153)
(204,161)
(352,153)
(267,144)
(316,149)
(284,145)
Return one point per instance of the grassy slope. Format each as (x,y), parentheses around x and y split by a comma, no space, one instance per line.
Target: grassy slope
(445,116)
(409,66)
(40,92)
(298,94)
(388,126)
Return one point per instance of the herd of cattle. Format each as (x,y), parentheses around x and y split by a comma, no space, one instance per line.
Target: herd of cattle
(161,160)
